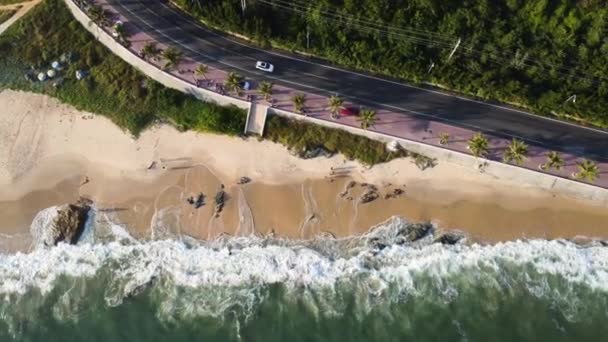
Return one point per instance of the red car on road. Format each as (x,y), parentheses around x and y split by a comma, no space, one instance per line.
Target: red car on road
(349,111)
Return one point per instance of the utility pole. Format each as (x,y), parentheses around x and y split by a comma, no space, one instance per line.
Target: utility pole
(571,99)
(431,67)
(455,47)
(307,37)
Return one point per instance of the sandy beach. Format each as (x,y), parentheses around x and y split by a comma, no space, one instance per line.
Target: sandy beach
(51,154)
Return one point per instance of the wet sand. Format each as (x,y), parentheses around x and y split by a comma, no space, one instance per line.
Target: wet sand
(313,207)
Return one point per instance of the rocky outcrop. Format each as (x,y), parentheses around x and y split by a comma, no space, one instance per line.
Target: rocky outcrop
(69,223)
(449,238)
(416,231)
(397,231)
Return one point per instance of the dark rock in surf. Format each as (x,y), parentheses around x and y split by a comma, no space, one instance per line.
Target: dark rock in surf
(449,238)
(416,231)
(69,223)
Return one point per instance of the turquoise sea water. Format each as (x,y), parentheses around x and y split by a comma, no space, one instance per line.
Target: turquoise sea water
(112,287)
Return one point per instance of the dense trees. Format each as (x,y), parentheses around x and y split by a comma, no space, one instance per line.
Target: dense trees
(536,53)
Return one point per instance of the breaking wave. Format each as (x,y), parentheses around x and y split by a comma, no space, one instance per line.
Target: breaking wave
(183,279)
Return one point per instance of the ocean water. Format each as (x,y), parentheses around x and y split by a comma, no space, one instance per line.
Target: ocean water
(112,287)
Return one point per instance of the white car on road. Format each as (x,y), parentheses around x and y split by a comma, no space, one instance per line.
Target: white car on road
(264,66)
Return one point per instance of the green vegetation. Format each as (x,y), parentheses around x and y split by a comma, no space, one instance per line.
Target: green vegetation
(6,15)
(172,56)
(554,161)
(479,145)
(298,102)
(515,152)
(368,118)
(232,82)
(150,50)
(587,171)
(265,90)
(121,34)
(299,135)
(99,15)
(335,103)
(534,53)
(113,88)
(444,138)
(202,70)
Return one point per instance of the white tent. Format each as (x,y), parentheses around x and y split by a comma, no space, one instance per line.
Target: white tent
(56,65)
(42,76)
(51,73)
(80,74)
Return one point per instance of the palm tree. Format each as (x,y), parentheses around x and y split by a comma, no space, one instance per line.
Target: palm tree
(298,102)
(99,15)
(368,118)
(121,34)
(478,145)
(516,152)
(587,170)
(554,160)
(201,70)
(149,50)
(444,138)
(335,103)
(232,82)
(173,57)
(266,90)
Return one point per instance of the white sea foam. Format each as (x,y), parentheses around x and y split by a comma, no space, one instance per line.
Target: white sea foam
(40,225)
(201,265)
(208,278)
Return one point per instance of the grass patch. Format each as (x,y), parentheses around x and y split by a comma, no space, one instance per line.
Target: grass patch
(6,15)
(113,88)
(299,135)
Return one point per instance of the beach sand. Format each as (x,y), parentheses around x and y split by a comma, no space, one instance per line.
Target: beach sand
(48,150)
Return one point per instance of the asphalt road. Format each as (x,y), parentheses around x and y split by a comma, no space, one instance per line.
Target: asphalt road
(171,27)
